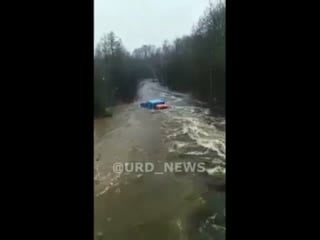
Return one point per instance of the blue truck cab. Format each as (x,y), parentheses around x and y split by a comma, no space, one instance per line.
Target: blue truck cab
(151,104)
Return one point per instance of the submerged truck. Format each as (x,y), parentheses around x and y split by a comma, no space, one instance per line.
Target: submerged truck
(154,104)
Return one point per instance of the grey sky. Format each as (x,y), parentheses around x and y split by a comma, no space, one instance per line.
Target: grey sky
(139,22)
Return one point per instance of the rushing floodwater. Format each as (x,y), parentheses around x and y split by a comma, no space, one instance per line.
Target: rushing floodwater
(177,206)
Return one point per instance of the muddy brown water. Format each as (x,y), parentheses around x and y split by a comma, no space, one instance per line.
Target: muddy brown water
(172,205)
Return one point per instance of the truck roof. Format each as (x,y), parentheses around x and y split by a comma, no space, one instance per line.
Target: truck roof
(153,101)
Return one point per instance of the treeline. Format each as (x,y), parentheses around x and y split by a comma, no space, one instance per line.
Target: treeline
(194,64)
(116,74)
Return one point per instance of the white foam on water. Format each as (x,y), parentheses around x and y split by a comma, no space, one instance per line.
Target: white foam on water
(179,224)
(177,145)
(216,171)
(210,222)
(197,153)
(204,135)
(199,127)
(110,183)
(218,161)
(171,150)
(106,189)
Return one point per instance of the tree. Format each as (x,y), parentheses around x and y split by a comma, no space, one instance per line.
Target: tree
(196,63)
(193,63)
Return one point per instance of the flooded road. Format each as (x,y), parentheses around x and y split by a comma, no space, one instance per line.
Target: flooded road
(171,205)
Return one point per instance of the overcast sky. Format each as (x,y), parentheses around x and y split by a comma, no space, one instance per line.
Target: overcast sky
(139,22)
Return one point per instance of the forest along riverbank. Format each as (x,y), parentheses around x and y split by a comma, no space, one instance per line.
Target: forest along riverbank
(171,205)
